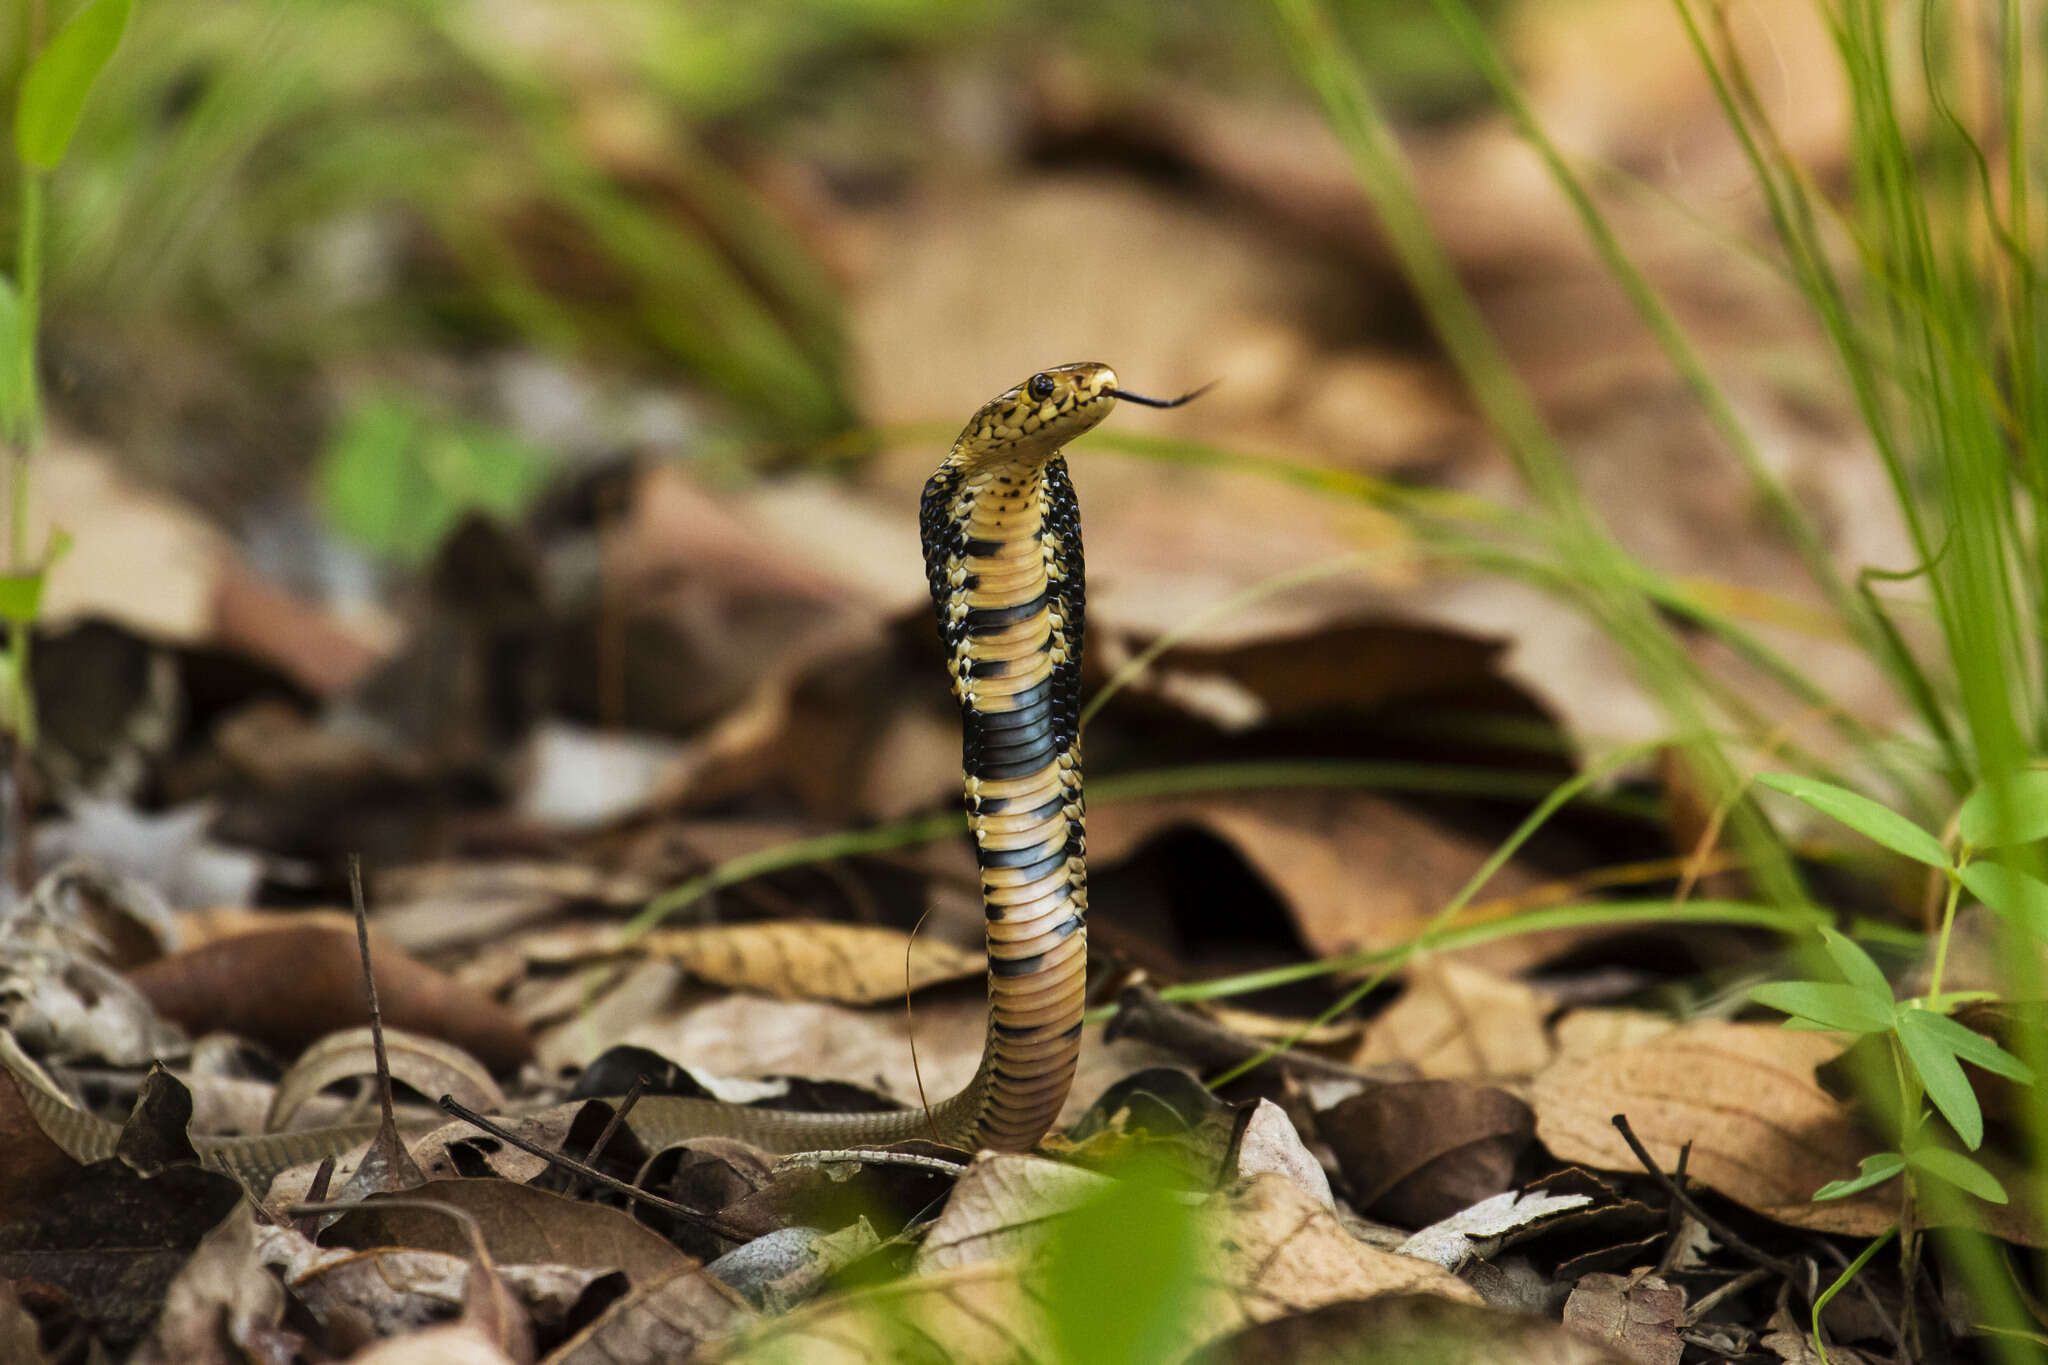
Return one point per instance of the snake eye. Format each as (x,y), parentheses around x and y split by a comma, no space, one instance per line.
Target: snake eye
(1040,387)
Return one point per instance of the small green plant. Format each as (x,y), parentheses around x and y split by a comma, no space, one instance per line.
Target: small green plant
(397,475)
(1927,1047)
(47,106)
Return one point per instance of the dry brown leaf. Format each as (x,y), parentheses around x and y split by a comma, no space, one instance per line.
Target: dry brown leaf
(999,1209)
(1279,1252)
(288,986)
(1762,1130)
(854,964)
(1638,1315)
(137,557)
(1456,1020)
(1397,1329)
(1354,870)
(662,1321)
(519,1224)
(429,1066)
(1589,1032)
(35,1166)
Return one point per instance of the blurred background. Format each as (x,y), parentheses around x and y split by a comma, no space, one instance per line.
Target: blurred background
(493,429)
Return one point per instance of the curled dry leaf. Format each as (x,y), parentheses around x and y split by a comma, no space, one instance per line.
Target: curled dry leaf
(85,908)
(518,1223)
(158,1133)
(1355,870)
(358,1296)
(64,1005)
(1268,1143)
(854,964)
(1419,1151)
(1395,1329)
(289,986)
(429,1066)
(1762,1130)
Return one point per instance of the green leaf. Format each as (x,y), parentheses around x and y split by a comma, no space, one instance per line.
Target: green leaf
(1960,1171)
(53,92)
(396,476)
(1947,1086)
(21,597)
(1863,815)
(1970,1045)
(2020,818)
(1845,1009)
(1875,1171)
(2019,896)
(21,594)
(1855,964)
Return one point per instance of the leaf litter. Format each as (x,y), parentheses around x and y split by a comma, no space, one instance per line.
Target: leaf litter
(1449,1142)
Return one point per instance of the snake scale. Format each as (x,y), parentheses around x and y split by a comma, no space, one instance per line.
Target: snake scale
(1002,550)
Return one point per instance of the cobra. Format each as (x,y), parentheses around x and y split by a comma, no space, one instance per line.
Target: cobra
(1002,551)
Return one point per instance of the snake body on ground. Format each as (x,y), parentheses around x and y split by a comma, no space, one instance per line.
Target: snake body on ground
(1002,550)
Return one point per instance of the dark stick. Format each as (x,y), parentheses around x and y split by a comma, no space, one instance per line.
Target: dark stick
(1792,1273)
(710,1222)
(355,891)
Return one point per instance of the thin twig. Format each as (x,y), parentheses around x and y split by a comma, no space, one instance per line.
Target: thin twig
(355,891)
(1791,1272)
(1709,1300)
(710,1222)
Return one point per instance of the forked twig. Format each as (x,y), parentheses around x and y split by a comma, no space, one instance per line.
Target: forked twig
(1792,1273)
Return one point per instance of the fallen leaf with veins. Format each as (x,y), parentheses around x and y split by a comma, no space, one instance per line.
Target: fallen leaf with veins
(1455,1020)
(854,964)
(1761,1129)
(1637,1314)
